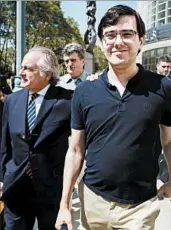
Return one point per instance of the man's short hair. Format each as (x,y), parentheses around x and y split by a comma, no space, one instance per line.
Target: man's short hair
(48,62)
(112,16)
(164,58)
(74,48)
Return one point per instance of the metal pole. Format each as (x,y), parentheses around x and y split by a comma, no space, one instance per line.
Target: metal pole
(20,35)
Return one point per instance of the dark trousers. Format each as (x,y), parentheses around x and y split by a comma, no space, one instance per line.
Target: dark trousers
(20,213)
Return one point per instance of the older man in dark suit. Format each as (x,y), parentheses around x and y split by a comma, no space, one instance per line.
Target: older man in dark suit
(36,126)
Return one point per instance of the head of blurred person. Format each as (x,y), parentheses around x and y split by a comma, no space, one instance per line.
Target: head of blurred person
(121,32)
(74,58)
(164,65)
(2,96)
(39,68)
(4,88)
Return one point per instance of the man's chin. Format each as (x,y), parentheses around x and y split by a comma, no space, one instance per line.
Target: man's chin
(24,85)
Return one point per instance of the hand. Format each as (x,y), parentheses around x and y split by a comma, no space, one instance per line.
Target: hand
(165,190)
(64,217)
(2,96)
(93,77)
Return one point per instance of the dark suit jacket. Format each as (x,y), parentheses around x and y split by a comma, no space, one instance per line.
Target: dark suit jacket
(45,148)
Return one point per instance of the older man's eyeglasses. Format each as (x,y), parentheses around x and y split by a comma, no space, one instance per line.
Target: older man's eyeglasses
(126,36)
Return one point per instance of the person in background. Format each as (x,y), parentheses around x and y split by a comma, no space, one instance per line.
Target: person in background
(4,91)
(74,58)
(164,66)
(36,127)
(121,160)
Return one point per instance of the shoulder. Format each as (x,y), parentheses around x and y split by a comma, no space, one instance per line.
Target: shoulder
(151,79)
(64,78)
(158,82)
(17,94)
(60,92)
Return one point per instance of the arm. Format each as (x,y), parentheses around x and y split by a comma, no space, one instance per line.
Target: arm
(73,161)
(73,164)
(165,135)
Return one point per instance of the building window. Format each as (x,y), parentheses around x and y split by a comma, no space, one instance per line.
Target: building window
(161,22)
(161,15)
(160,2)
(169,4)
(160,52)
(154,11)
(153,4)
(162,7)
(168,50)
(169,19)
(153,19)
(169,12)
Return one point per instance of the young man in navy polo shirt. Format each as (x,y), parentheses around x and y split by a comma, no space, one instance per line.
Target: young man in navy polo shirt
(116,119)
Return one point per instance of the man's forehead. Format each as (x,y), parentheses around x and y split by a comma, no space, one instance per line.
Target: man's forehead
(165,63)
(124,22)
(31,58)
(73,55)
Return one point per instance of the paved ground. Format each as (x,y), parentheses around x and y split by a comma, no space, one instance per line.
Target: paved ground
(163,222)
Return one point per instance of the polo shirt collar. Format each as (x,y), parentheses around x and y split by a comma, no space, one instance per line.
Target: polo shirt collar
(82,77)
(132,81)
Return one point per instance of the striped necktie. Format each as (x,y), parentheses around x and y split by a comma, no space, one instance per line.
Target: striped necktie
(31,113)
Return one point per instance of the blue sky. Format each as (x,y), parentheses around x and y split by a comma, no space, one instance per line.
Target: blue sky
(77,10)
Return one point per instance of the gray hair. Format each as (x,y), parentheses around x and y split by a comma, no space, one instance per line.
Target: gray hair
(74,48)
(47,63)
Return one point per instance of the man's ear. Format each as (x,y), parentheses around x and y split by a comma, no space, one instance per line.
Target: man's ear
(142,39)
(49,76)
(83,62)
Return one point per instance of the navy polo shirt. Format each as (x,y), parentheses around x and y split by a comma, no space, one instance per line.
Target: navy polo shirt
(122,155)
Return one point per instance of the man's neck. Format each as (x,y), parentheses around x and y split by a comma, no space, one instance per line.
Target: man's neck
(121,74)
(75,77)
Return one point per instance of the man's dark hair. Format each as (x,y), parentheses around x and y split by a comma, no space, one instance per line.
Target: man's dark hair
(112,16)
(164,58)
(74,48)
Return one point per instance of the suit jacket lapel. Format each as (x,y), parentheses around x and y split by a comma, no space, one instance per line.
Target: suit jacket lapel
(47,104)
(22,105)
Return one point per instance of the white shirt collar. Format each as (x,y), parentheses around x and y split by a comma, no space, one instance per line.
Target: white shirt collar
(42,92)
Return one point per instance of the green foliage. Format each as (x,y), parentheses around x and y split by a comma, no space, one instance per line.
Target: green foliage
(100,59)
(7,35)
(45,26)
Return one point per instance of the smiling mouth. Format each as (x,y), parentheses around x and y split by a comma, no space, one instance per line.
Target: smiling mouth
(119,51)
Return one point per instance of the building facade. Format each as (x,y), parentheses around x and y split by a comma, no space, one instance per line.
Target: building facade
(157,18)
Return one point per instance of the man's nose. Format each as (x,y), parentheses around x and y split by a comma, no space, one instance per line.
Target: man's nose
(21,72)
(118,39)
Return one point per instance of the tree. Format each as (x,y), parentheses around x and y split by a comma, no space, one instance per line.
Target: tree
(100,59)
(7,35)
(45,26)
